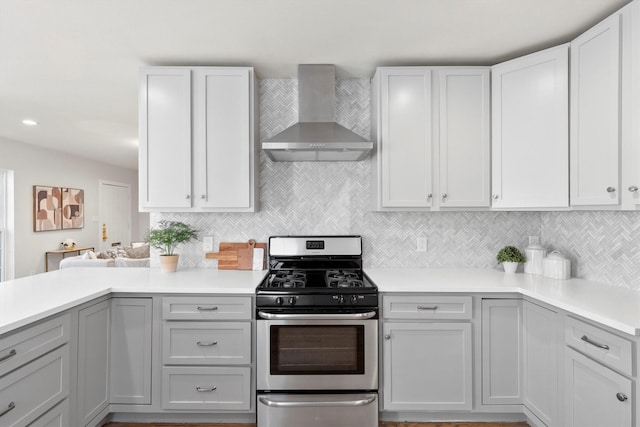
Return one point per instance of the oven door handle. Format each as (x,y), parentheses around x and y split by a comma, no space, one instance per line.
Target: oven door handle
(347,403)
(350,316)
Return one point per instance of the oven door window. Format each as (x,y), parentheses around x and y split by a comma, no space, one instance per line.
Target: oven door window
(317,350)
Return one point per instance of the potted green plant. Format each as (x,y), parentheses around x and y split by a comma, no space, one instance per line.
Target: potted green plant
(166,237)
(510,257)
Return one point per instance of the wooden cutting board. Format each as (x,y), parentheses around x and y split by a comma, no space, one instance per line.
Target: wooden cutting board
(233,255)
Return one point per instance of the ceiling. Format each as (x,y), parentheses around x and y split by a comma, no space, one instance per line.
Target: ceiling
(72,65)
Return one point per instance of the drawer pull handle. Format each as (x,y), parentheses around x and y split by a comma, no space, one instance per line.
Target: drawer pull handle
(621,397)
(428,307)
(206,389)
(9,409)
(8,356)
(593,343)
(214,308)
(207,344)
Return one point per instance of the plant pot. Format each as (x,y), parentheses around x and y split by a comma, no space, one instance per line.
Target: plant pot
(510,267)
(169,263)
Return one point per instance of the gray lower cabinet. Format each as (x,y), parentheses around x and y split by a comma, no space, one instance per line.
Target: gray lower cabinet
(427,364)
(206,353)
(540,363)
(501,351)
(94,324)
(130,364)
(34,372)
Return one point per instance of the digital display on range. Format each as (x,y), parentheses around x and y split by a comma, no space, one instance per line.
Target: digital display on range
(315,244)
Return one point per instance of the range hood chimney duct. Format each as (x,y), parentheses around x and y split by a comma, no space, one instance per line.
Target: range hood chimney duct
(316,137)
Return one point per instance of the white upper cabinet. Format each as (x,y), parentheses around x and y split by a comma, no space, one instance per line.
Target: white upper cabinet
(530,131)
(404,145)
(595,114)
(197,145)
(464,137)
(164,160)
(630,188)
(431,127)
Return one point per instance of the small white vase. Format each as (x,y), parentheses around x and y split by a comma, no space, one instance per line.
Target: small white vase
(510,267)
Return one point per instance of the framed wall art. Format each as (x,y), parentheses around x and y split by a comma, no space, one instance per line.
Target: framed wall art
(47,208)
(72,208)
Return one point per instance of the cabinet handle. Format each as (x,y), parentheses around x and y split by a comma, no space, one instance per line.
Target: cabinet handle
(387,337)
(429,196)
(207,344)
(611,190)
(203,197)
(444,196)
(621,397)
(428,307)
(8,356)
(633,188)
(12,405)
(496,197)
(188,196)
(214,308)
(593,343)
(206,389)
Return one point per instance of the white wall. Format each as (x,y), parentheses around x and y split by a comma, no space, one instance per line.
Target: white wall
(37,166)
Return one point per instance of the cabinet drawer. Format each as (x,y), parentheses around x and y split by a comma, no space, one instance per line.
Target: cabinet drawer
(22,347)
(206,388)
(206,343)
(56,417)
(206,308)
(427,307)
(603,346)
(30,391)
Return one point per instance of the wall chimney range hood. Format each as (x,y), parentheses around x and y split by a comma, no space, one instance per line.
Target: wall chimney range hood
(316,137)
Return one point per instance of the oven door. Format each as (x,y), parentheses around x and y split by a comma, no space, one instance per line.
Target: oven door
(317,352)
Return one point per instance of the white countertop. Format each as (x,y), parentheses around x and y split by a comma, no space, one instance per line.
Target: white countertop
(33,298)
(26,300)
(612,306)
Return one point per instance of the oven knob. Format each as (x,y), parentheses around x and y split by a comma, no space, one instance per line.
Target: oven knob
(341,299)
(292,300)
(354,299)
(279,301)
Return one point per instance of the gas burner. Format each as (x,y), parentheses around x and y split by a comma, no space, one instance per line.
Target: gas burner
(286,283)
(341,283)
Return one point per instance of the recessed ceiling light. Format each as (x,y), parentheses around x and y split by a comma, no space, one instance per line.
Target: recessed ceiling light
(29,122)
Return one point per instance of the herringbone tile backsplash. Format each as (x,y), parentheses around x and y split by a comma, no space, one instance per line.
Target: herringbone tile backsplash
(334,198)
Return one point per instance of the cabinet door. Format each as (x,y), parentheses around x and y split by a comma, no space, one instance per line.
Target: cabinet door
(530,131)
(406,138)
(540,362)
(595,115)
(501,352)
(223,138)
(130,373)
(164,165)
(464,137)
(93,360)
(427,366)
(630,189)
(595,396)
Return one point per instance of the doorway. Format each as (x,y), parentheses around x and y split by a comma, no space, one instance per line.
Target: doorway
(115,214)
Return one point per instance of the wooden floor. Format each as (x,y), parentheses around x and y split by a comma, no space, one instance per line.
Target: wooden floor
(382,424)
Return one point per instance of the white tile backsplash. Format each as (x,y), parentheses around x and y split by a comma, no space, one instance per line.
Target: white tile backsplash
(334,198)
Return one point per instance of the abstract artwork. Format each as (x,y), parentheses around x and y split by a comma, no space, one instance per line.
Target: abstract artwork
(72,208)
(47,208)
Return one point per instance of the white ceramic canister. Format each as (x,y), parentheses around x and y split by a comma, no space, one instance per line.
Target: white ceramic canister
(557,266)
(535,254)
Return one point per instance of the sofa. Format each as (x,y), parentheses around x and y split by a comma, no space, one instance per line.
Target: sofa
(136,255)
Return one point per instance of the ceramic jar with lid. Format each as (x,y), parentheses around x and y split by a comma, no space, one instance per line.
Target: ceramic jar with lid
(557,266)
(535,254)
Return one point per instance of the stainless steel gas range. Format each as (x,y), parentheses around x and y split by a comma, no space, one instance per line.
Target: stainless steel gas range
(317,334)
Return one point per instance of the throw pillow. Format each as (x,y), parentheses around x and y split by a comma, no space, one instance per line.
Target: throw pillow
(137,253)
(86,255)
(92,255)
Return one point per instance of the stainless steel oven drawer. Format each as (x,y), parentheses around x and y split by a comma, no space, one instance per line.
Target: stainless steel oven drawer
(318,410)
